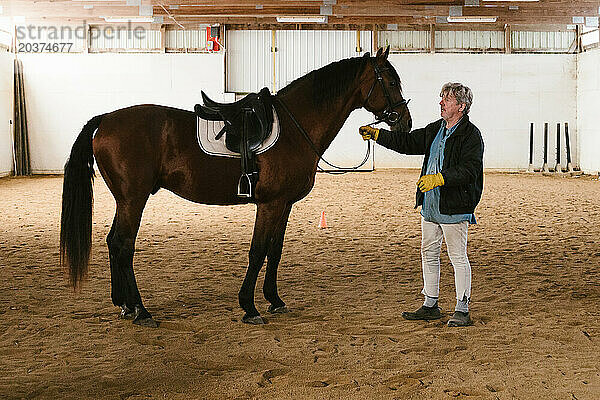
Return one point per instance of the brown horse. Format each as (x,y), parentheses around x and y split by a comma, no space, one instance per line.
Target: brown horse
(143,148)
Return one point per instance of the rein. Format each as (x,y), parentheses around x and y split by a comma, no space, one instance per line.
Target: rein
(341,170)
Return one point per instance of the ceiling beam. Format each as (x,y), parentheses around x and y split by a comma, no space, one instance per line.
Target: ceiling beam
(541,14)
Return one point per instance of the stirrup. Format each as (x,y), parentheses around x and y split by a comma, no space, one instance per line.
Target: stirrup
(245,186)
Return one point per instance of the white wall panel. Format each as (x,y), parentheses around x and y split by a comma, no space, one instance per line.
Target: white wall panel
(249,61)
(588,115)
(66,90)
(469,40)
(6,110)
(300,52)
(404,40)
(542,41)
(127,40)
(510,91)
(179,39)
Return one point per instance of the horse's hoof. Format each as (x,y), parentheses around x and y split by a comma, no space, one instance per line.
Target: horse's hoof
(126,313)
(278,309)
(147,322)
(256,320)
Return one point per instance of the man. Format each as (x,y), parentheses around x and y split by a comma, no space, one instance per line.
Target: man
(449,189)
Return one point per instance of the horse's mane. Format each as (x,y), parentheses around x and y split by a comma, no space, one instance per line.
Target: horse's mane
(332,80)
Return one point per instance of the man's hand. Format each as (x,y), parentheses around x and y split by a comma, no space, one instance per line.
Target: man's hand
(428,182)
(368,132)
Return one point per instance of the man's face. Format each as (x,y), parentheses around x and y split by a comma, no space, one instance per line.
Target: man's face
(450,109)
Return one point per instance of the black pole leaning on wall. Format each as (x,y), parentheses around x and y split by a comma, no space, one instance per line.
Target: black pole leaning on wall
(568,144)
(558,167)
(22,161)
(530,167)
(545,166)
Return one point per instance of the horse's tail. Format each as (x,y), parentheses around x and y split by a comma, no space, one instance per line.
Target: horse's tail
(77,199)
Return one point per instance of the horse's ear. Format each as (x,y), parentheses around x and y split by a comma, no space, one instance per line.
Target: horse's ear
(367,55)
(387,52)
(382,54)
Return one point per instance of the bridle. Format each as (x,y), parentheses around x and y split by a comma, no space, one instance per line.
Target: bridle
(388,114)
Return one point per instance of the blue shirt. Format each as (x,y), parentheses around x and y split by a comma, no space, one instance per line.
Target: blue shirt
(431,201)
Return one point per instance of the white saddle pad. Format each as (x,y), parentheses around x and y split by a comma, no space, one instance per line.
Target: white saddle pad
(206,131)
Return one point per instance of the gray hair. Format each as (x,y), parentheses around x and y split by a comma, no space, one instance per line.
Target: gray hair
(463,94)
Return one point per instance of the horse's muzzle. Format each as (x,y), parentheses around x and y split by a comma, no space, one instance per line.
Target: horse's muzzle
(402,125)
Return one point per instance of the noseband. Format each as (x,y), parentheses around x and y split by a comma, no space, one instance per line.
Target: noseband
(388,115)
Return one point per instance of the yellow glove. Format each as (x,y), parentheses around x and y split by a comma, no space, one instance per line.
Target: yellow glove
(428,182)
(368,132)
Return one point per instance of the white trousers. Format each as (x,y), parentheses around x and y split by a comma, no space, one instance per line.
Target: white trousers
(455,236)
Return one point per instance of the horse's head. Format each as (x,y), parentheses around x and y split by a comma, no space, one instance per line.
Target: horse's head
(383,93)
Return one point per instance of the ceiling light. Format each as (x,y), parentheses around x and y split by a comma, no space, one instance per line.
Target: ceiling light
(455,11)
(326,10)
(129,19)
(146,10)
(314,19)
(471,19)
(591,22)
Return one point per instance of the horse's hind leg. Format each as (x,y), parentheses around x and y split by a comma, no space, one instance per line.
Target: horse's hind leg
(273,257)
(118,283)
(121,248)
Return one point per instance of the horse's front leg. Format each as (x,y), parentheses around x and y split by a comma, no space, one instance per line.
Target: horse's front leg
(267,220)
(273,257)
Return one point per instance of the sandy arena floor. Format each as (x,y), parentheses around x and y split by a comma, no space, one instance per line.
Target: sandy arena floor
(536,294)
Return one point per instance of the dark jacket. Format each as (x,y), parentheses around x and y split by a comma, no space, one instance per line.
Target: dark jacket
(463,162)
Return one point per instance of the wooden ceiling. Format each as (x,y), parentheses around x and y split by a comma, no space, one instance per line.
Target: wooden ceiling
(341,14)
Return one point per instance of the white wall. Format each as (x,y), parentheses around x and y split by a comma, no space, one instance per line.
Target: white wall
(64,91)
(6,110)
(588,110)
(509,92)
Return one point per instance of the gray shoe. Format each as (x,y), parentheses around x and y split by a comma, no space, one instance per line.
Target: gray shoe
(423,314)
(460,319)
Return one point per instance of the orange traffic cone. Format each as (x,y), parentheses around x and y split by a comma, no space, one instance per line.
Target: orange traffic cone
(323,221)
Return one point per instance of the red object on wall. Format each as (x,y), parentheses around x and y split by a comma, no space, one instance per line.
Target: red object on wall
(212,37)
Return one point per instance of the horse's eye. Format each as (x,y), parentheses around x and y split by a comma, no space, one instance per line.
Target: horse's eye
(392,83)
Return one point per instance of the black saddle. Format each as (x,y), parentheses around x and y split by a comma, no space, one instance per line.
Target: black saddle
(257,108)
(248,122)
